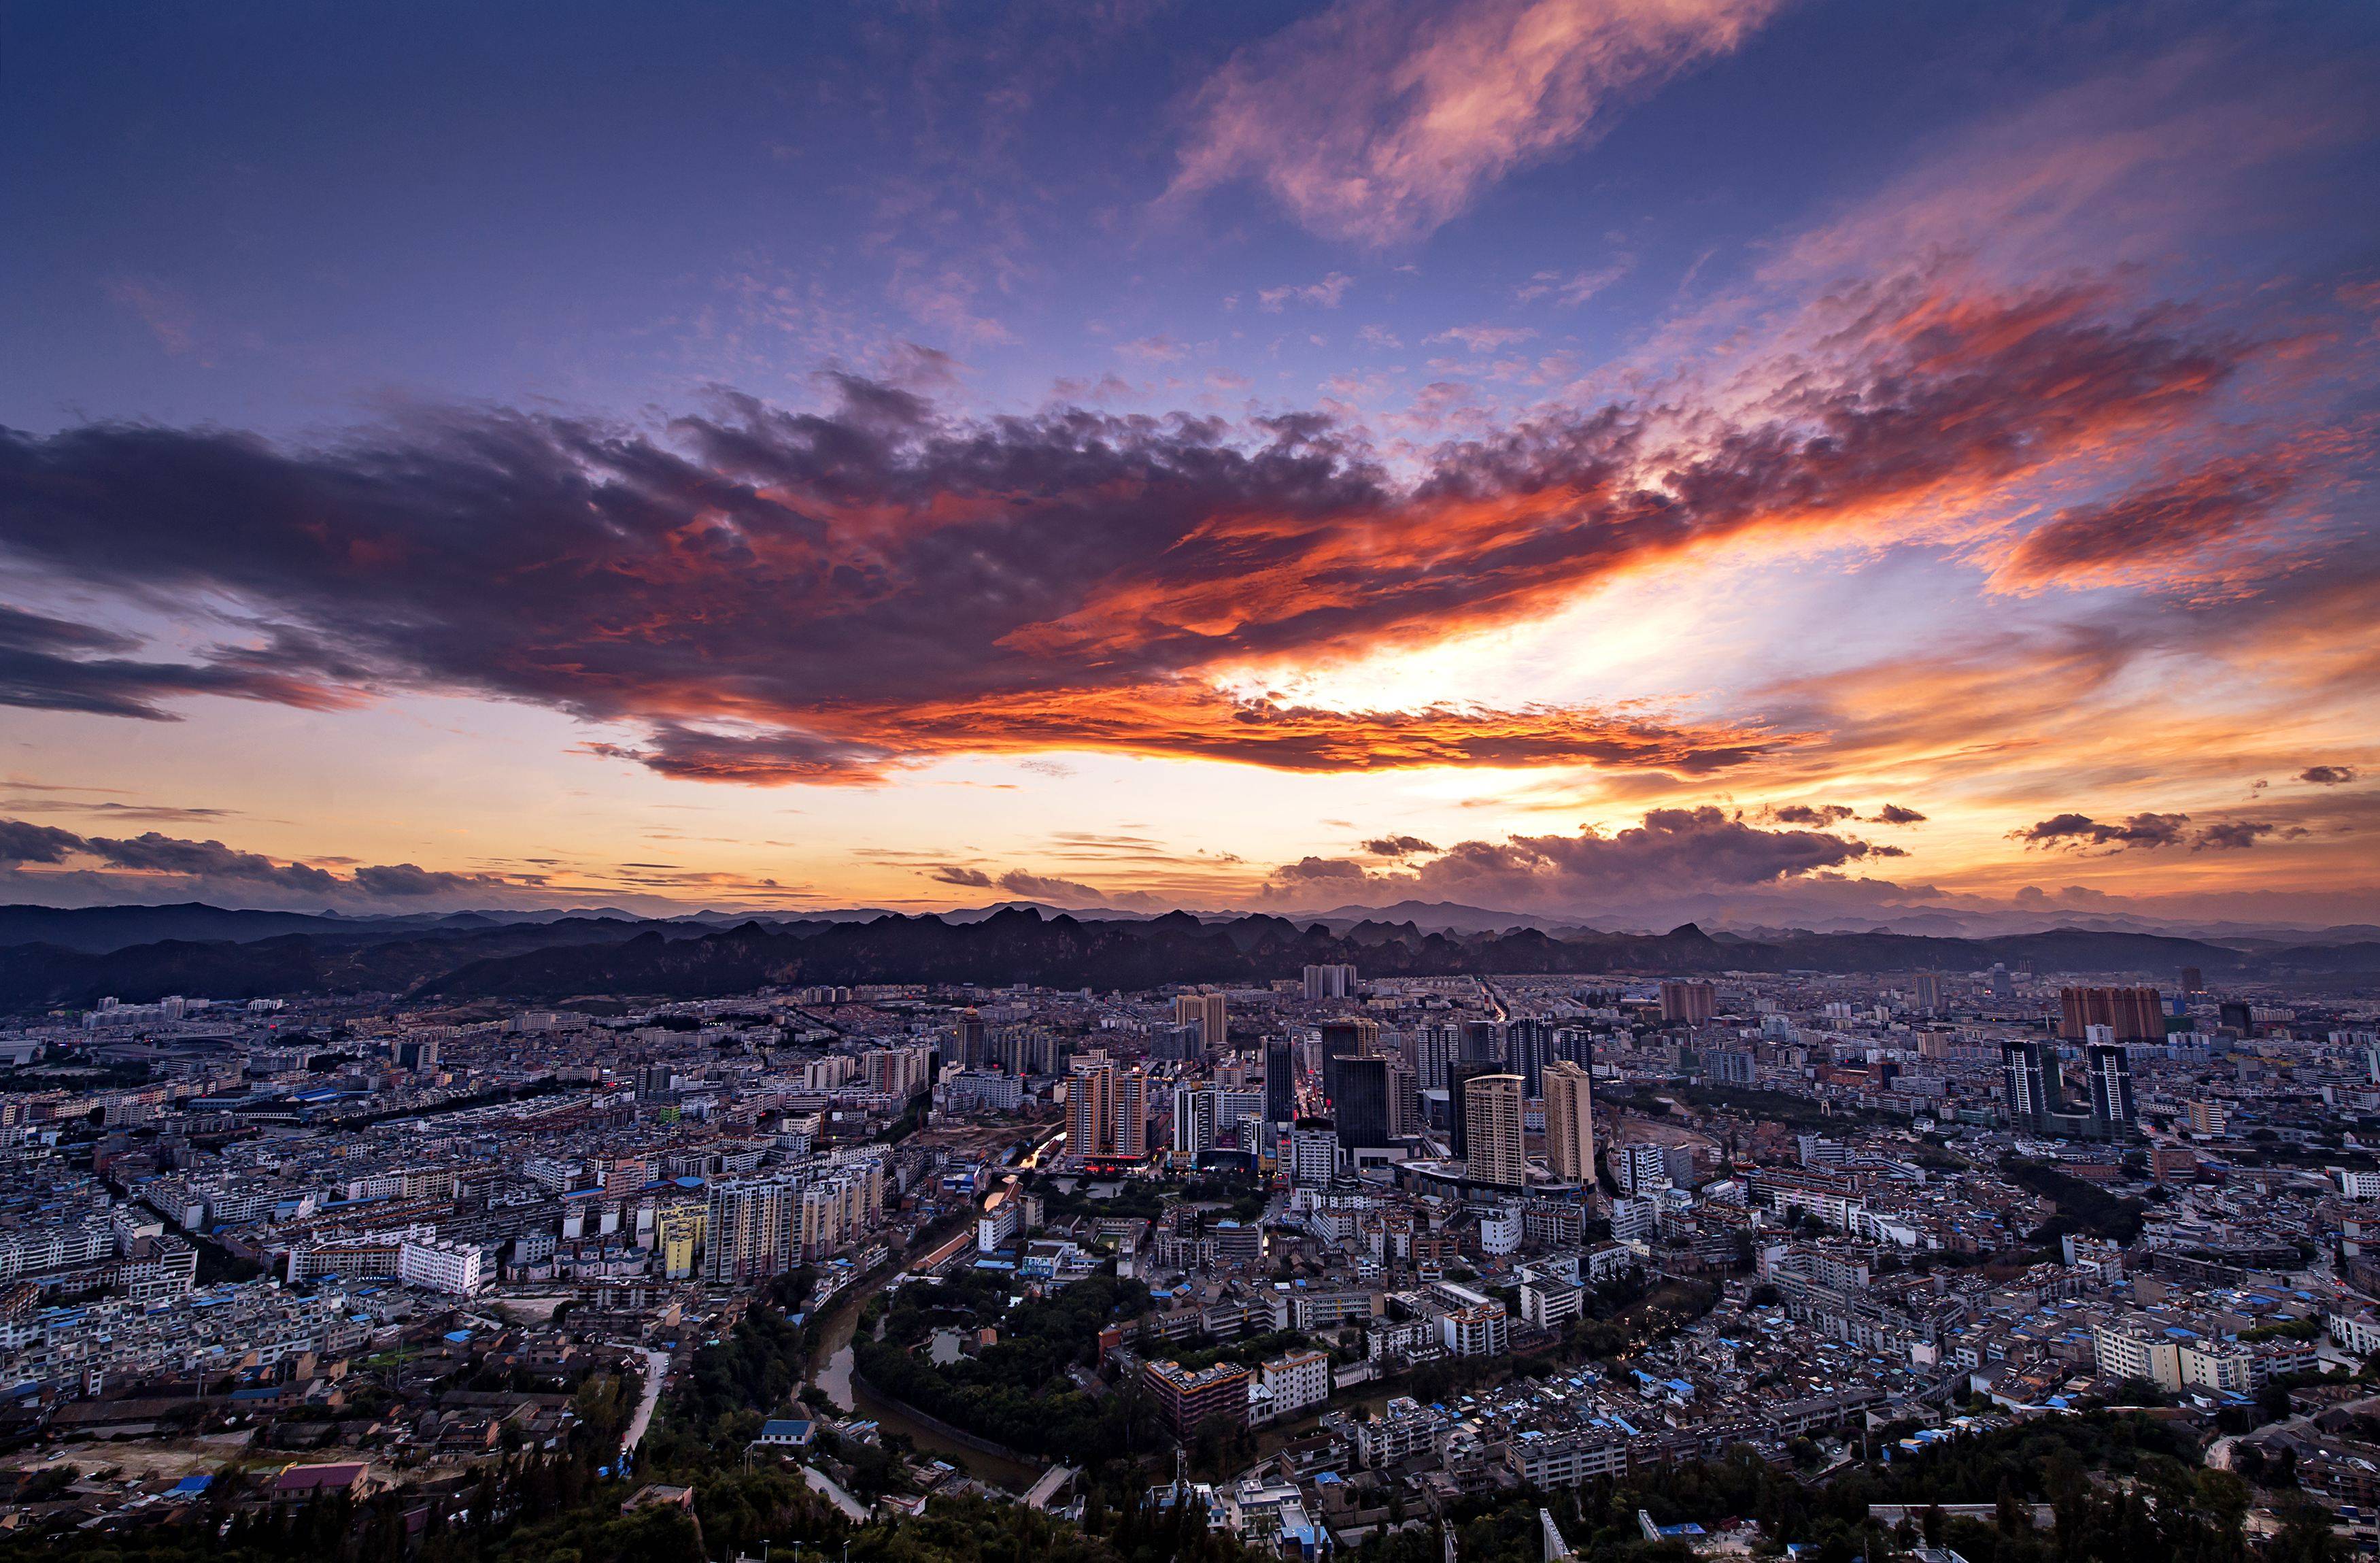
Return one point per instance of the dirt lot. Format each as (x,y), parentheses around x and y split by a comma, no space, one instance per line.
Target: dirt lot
(143,1459)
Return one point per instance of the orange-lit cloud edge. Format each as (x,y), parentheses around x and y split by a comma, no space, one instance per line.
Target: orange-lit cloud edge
(848,596)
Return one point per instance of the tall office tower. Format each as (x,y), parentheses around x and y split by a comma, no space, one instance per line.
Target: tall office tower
(1329,981)
(1929,993)
(1436,1047)
(1131,1115)
(1458,1125)
(415,1054)
(1280,1081)
(2029,1081)
(2111,1068)
(1196,1123)
(2134,1014)
(751,1229)
(1690,1002)
(1205,1011)
(1527,1045)
(2193,980)
(1491,1105)
(1569,1122)
(1350,1037)
(1483,1042)
(1359,1100)
(974,1041)
(2002,984)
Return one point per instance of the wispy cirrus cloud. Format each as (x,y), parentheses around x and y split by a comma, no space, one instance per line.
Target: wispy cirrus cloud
(1379,123)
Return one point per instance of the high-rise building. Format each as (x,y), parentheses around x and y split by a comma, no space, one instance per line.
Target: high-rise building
(2209,1117)
(1280,1081)
(1929,993)
(1107,1108)
(1329,981)
(1436,1047)
(1196,1123)
(2134,1014)
(1692,1003)
(1483,1042)
(2193,980)
(2029,1082)
(1404,1101)
(2110,1069)
(750,1231)
(1569,1122)
(1206,1011)
(1491,1105)
(1360,1101)
(1350,1036)
(1527,1046)
(1458,1126)
(974,1041)
(412,1054)
(1130,1119)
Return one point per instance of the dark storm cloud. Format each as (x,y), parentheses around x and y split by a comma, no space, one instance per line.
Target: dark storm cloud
(774,597)
(1396,846)
(1893,813)
(2328,776)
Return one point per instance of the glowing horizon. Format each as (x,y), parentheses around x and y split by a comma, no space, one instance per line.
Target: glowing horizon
(1596,460)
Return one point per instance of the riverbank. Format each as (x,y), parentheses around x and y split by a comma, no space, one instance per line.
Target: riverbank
(831,1371)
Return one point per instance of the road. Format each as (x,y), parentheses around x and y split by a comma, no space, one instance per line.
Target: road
(656,1371)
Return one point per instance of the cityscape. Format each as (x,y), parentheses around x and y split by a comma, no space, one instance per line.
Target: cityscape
(1327,1263)
(1099,781)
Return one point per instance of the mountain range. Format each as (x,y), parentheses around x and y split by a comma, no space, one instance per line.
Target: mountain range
(139,954)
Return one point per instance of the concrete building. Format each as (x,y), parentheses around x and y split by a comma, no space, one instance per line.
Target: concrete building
(1569,1122)
(457,1269)
(1186,1397)
(1491,1106)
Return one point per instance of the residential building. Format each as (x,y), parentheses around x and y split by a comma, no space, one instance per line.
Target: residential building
(1186,1397)
(1569,1122)
(1491,1105)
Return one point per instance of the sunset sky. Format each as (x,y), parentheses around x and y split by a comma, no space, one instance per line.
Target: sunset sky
(1765,461)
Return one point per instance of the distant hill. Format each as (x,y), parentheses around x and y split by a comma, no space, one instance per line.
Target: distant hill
(231,954)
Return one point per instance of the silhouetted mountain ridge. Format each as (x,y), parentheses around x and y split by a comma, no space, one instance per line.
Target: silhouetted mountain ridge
(580,956)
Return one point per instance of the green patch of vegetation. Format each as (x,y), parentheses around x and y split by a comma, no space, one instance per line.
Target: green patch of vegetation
(2089,1208)
(1016,1392)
